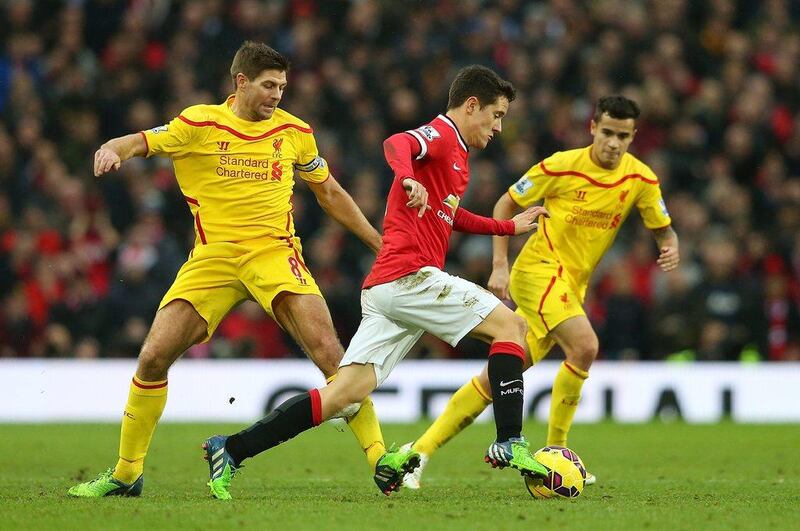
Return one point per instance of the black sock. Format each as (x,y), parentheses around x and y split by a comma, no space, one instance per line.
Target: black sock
(292,417)
(505,377)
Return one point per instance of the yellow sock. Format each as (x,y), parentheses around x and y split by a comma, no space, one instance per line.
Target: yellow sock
(564,402)
(146,401)
(367,429)
(466,404)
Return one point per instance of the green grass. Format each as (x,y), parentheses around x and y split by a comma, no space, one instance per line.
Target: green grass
(656,476)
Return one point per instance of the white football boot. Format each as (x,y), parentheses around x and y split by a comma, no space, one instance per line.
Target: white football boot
(412,479)
(591,479)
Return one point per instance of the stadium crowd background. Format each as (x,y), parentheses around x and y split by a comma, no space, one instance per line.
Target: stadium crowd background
(85,261)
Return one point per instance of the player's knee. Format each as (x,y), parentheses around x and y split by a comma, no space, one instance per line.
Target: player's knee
(517,329)
(327,354)
(153,364)
(584,353)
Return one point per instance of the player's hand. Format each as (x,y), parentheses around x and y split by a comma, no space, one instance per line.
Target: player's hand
(105,160)
(498,282)
(526,221)
(417,195)
(668,259)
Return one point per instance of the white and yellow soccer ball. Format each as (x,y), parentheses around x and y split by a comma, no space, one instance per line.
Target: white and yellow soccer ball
(566,474)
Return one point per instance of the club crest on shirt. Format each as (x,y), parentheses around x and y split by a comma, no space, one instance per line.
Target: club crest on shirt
(452,201)
(623,195)
(160,129)
(523,185)
(276,145)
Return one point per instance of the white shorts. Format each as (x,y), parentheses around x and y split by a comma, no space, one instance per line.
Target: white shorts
(395,315)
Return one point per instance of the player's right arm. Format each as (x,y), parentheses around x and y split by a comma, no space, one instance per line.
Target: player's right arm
(174,138)
(505,208)
(399,149)
(116,151)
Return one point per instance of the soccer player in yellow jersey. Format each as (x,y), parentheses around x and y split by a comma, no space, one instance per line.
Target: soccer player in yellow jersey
(235,163)
(588,193)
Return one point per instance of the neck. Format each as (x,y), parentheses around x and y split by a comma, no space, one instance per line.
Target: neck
(239,111)
(459,121)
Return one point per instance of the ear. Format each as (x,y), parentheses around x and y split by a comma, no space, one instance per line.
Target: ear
(472,104)
(592,127)
(241,80)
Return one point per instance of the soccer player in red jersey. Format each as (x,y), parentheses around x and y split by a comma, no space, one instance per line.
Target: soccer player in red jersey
(407,293)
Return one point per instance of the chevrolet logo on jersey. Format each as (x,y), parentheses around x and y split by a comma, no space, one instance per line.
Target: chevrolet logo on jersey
(452,201)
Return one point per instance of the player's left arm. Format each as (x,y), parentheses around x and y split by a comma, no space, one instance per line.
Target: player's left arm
(466,221)
(669,255)
(656,218)
(339,205)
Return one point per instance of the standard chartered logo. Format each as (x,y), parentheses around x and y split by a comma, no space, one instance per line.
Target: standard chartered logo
(249,168)
(597,219)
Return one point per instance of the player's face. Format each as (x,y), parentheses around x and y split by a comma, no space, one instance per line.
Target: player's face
(260,96)
(612,137)
(484,123)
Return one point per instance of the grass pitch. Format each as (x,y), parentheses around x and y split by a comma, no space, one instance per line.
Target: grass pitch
(656,476)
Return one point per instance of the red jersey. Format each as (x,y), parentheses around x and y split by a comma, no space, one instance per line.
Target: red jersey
(436,156)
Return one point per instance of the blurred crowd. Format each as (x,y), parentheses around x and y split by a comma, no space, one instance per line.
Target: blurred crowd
(85,261)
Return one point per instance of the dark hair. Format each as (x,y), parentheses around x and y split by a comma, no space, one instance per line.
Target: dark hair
(618,107)
(252,58)
(481,82)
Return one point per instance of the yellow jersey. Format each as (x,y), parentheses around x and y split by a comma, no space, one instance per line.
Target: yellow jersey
(587,205)
(236,175)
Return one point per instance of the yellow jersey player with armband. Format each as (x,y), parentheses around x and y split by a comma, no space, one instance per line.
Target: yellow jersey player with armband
(588,193)
(236,164)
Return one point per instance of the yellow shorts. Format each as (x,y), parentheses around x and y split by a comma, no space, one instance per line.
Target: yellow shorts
(218,276)
(545,299)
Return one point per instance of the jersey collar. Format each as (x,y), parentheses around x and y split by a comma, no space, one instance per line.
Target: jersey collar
(452,124)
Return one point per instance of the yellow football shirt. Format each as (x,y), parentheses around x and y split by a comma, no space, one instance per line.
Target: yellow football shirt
(587,205)
(237,175)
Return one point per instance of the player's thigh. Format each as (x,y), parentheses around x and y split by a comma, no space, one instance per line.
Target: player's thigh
(208,282)
(578,340)
(307,319)
(275,268)
(380,341)
(445,305)
(546,298)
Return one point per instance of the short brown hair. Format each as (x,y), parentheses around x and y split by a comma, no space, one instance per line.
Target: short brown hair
(252,58)
(617,107)
(481,82)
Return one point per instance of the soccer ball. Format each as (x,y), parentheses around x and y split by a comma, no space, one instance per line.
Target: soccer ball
(566,477)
